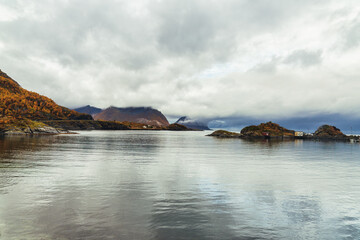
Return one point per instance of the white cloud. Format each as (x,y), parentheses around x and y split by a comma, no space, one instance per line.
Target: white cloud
(7,14)
(198,58)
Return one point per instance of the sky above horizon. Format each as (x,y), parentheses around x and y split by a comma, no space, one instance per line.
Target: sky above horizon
(201,58)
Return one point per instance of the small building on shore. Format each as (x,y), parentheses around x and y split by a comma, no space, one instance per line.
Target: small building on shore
(299,134)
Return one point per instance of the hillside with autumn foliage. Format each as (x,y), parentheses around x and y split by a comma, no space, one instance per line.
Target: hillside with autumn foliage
(26,112)
(19,103)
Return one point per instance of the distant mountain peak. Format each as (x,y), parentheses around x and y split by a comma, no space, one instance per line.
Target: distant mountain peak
(193,124)
(88,109)
(184,118)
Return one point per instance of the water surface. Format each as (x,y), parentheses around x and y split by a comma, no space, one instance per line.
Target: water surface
(177,185)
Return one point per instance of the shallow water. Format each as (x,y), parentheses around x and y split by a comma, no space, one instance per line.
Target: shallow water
(177,185)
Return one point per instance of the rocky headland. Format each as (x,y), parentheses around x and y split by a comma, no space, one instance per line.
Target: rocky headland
(23,111)
(28,127)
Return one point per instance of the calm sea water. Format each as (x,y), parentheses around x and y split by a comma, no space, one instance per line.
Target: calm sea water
(177,185)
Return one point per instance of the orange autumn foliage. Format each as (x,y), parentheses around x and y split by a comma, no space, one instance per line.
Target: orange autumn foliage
(18,103)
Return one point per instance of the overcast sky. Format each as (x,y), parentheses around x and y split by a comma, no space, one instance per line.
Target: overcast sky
(202,58)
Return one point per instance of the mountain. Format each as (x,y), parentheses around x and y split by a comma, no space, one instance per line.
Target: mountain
(145,115)
(193,124)
(89,110)
(19,103)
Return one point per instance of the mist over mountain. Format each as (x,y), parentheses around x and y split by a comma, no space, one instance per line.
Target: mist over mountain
(192,123)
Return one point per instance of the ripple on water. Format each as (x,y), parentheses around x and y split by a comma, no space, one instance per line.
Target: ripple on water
(177,185)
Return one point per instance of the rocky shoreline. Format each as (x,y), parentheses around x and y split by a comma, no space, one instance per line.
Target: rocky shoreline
(52,127)
(28,127)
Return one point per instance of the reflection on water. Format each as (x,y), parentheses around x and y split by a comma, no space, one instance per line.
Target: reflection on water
(177,185)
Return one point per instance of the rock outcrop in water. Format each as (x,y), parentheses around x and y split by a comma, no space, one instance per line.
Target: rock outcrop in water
(177,127)
(329,132)
(275,131)
(26,126)
(224,134)
(268,130)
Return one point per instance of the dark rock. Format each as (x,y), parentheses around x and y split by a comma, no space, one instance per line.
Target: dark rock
(177,127)
(224,134)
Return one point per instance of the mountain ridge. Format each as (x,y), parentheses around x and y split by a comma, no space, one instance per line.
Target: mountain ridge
(88,109)
(144,115)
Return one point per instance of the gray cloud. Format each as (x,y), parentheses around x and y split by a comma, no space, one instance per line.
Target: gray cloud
(202,58)
(352,38)
(304,58)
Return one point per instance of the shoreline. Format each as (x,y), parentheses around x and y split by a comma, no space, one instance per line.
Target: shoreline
(55,127)
(232,135)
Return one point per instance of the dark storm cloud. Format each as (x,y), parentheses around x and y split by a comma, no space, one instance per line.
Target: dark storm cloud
(199,58)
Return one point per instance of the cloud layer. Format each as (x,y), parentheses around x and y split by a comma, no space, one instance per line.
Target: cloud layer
(202,58)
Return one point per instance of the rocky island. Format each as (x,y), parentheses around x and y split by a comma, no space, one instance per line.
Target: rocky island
(271,130)
(329,132)
(267,130)
(225,134)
